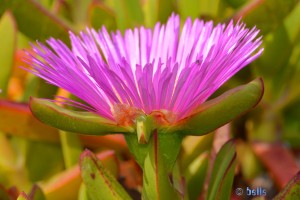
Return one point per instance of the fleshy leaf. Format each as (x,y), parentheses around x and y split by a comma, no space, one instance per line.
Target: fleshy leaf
(292,189)
(223,173)
(99,182)
(73,121)
(221,110)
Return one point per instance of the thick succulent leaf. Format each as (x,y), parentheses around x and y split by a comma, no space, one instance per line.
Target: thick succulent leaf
(99,182)
(291,190)
(73,121)
(221,110)
(35,21)
(223,173)
(8,43)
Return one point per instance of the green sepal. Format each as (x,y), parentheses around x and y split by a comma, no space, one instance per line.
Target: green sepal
(223,173)
(99,182)
(221,110)
(73,121)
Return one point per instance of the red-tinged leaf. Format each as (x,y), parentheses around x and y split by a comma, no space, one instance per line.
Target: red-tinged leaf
(63,185)
(221,110)
(292,190)
(99,182)
(73,121)
(279,161)
(27,125)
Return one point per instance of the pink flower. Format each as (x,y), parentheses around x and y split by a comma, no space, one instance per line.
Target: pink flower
(147,70)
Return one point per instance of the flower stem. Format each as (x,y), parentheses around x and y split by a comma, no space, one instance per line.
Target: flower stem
(157,158)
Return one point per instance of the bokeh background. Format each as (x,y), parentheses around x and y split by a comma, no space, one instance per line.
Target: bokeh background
(267,138)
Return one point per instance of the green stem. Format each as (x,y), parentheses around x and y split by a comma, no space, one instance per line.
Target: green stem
(156,181)
(157,159)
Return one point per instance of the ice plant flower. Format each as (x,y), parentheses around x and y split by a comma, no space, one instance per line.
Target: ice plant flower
(165,69)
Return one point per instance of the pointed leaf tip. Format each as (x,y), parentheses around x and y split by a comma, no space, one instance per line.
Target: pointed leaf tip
(73,121)
(221,110)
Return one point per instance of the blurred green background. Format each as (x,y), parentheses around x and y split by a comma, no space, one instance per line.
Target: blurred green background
(267,138)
